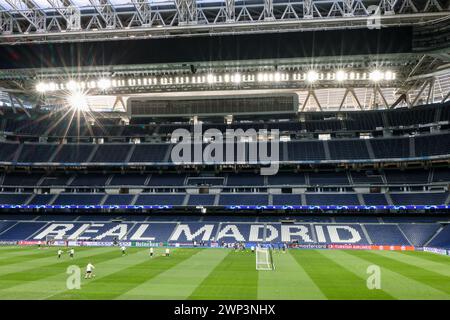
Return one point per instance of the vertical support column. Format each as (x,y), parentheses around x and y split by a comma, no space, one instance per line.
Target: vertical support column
(308,9)
(268,10)
(230,11)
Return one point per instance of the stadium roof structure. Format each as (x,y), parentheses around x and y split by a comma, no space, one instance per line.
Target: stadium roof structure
(415,74)
(24,21)
(411,79)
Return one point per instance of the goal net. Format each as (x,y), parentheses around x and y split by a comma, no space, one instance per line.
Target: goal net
(264,259)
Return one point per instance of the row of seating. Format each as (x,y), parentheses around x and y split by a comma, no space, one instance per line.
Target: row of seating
(294,151)
(244,179)
(227,199)
(55,125)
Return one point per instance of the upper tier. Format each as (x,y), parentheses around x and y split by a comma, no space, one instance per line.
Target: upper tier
(421,147)
(55,125)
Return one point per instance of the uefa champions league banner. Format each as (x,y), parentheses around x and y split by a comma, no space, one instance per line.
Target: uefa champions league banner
(7,243)
(437,250)
(370,247)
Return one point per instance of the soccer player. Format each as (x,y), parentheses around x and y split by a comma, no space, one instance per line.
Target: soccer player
(71,253)
(167,252)
(253,249)
(89,269)
(124,250)
(60,252)
(284,247)
(151,252)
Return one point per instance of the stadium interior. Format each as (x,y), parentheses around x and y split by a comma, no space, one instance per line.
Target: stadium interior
(353,109)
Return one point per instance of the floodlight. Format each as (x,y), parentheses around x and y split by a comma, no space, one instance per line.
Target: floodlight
(104,84)
(71,85)
(78,101)
(277,77)
(341,75)
(376,75)
(237,78)
(312,76)
(41,87)
(210,78)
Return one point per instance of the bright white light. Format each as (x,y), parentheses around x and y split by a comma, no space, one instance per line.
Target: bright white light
(41,87)
(312,76)
(341,75)
(237,78)
(71,85)
(389,75)
(277,77)
(260,77)
(376,75)
(210,78)
(104,84)
(78,101)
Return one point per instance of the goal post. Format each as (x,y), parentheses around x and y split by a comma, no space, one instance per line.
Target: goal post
(264,259)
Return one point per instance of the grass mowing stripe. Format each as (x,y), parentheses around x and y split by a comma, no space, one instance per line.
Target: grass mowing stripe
(287,281)
(422,275)
(429,256)
(17,251)
(234,278)
(42,273)
(40,262)
(335,281)
(117,276)
(14,249)
(418,261)
(394,284)
(26,256)
(181,280)
(56,282)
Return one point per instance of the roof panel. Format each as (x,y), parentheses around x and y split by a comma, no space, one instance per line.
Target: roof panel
(82,3)
(120,2)
(43,4)
(5,5)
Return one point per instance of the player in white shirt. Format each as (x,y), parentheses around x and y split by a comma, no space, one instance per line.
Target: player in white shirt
(167,252)
(71,253)
(123,250)
(89,270)
(60,252)
(253,249)
(151,252)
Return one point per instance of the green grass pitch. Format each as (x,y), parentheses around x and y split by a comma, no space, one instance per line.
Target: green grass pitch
(31,273)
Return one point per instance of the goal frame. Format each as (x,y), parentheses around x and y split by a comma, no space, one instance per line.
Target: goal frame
(262,265)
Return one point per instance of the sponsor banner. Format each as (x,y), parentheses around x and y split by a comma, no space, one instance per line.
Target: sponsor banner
(30,242)
(58,243)
(144,244)
(308,246)
(394,248)
(349,246)
(370,247)
(214,244)
(7,243)
(95,243)
(436,250)
(182,244)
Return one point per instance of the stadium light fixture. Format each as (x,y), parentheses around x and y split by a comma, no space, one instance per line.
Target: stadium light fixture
(210,78)
(312,76)
(237,78)
(78,101)
(277,77)
(71,85)
(41,87)
(341,75)
(104,84)
(376,76)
